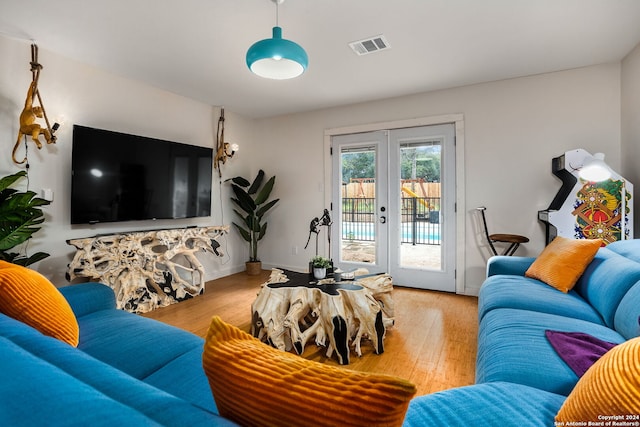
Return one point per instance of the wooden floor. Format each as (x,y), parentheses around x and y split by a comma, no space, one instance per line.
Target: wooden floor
(433,343)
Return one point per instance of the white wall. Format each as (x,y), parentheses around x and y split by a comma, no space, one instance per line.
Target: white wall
(513,129)
(631,124)
(74,93)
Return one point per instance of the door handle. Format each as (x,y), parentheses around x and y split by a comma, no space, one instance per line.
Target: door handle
(383,219)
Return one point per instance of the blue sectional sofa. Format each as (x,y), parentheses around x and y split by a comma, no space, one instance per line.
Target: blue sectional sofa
(134,371)
(127,371)
(520,379)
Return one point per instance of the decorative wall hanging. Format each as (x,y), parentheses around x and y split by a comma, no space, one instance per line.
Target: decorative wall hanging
(31,112)
(586,208)
(224,150)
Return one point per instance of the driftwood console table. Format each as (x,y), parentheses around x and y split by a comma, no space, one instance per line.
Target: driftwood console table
(290,310)
(147,269)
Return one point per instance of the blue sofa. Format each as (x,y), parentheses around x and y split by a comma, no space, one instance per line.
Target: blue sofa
(134,371)
(520,379)
(127,371)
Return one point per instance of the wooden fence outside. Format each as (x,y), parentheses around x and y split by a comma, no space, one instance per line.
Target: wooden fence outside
(366,188)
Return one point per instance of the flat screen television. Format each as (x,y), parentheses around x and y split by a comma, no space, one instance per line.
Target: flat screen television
(121,177)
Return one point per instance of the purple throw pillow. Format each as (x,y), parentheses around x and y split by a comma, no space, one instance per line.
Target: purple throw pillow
(578,350)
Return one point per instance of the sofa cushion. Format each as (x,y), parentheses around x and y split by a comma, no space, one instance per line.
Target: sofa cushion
(255,384)
(510,265)
(627,248)
(610,387)
(71,372)
(512,347)
(563,261)
(627,317)
(606,281)
(29,297)
(531,294)
(133,344)
(184,377)
(85,298)
(491,404)
(53,397)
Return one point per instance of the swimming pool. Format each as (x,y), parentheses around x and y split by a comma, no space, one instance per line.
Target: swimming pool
(420,232)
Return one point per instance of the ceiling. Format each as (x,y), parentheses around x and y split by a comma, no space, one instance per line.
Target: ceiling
(196,48)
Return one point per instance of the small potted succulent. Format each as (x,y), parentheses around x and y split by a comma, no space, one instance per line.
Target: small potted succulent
(320,265)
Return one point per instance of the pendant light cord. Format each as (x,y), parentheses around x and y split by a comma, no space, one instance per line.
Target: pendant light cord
(277,14)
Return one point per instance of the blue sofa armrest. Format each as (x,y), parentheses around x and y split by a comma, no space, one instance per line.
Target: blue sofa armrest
(85,298)
(512,265)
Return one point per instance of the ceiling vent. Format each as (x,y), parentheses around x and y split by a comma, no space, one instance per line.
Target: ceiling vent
(370,45)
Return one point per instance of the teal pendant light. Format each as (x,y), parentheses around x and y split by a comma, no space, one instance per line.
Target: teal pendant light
(277,58)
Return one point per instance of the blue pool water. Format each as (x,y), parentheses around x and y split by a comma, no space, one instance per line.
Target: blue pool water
(425,232)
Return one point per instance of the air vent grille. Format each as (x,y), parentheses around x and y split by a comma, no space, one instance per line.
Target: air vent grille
(370,45)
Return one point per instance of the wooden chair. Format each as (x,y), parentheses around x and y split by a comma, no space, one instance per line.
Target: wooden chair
(514,240)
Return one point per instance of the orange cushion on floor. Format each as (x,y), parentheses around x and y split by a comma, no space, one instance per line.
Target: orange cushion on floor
(255,384)
(611,387)
(29,297)
(563,261)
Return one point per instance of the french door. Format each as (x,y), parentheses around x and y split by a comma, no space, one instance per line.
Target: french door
(393,201)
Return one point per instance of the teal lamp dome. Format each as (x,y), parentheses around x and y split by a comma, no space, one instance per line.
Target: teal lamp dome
(277,58)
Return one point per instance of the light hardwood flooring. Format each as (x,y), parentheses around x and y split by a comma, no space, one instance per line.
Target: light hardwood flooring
(432,344)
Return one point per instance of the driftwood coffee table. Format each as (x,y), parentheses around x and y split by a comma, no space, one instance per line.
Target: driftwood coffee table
(290,310)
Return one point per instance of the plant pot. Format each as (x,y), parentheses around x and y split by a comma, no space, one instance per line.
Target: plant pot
(253,267)
(319,273)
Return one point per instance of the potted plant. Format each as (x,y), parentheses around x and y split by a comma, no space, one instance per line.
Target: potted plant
(19,216)
(320,265)
(252,199)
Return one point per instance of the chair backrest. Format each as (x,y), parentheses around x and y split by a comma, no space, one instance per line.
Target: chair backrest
(486,230)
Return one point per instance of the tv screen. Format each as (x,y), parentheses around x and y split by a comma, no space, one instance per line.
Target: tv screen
(120,177)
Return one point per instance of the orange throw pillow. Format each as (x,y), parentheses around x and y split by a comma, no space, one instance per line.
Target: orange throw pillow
(255,384)
(29,297)
(611,387)
(563,261)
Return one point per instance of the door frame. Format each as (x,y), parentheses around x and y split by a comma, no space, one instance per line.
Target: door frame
(458,121)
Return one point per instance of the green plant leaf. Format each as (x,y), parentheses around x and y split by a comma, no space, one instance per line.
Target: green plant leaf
(244,233)
(19,216)
(263,209)
(266,191)
(6,193)
(244,200)
(240,214)
(250,221)
(242,182)
(256,182)
(8,180)
(262,230)
(11,238)
(26,261)
(320,262)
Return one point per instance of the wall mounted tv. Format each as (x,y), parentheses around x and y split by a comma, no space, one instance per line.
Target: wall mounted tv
(120,177)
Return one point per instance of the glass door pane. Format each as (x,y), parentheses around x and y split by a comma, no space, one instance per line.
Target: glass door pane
(359,196)
(358,239)
(420,204)
(422,232)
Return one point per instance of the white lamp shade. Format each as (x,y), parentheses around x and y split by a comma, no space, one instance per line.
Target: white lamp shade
(595,169)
